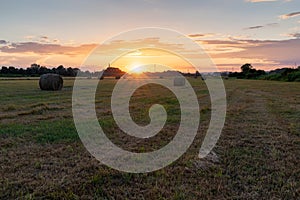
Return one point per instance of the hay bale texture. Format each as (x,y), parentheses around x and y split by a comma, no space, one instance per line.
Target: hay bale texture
(179,81)
(51,82)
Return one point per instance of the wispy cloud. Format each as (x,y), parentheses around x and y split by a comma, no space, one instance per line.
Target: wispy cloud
(295,35)
(48,54)
(264,54)
(272,24)
(42,39)
(3,42)
(289,15)
(39,48)
(45,37)
(261,26)
(254,27)
(29,37)
(201,35)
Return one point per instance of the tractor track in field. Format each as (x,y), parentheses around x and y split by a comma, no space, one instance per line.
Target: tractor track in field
(260,153)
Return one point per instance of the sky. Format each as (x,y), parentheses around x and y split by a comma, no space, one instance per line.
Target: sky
(265,33)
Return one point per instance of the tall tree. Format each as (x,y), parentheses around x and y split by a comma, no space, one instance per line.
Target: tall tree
(246,68)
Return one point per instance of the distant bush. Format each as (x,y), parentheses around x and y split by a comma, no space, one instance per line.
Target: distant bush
(11,75)
(36,70)
(247,72)
(294,76)
(272,77)
(286,74)
(282,74)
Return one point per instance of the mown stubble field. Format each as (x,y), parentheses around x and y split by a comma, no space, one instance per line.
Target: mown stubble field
(257,156)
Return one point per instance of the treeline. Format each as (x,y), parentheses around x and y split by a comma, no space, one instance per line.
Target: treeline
(36,70)
(283,74)
(247,72)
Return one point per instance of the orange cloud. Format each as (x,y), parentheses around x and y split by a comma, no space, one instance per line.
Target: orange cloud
(41,48)
(289,15)
(263,54)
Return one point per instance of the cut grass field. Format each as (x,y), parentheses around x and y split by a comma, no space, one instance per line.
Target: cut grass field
(258,154)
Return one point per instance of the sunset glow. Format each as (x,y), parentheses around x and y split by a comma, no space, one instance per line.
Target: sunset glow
(137,70)
(149,60)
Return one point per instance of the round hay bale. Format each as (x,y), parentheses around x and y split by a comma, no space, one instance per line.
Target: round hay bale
(179,81)
(51,82)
